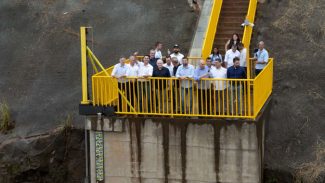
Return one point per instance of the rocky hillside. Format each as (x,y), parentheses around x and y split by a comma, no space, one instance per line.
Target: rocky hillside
(40,78)
(294,33)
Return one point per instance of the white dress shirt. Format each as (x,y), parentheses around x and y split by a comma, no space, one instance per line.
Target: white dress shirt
(243,54)
(229,58)
(220,73)
(133,71)
(145,70)
(119,71)
(179,57)
(158,54)
(169,67)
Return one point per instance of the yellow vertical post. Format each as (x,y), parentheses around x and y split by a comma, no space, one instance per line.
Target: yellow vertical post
(84,65)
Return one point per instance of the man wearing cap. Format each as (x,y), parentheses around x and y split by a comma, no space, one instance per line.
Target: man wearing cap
(220,86)
(176,53)
(204,93)
(185,73)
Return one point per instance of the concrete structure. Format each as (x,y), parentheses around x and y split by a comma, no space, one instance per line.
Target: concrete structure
(196,48)
(176,150)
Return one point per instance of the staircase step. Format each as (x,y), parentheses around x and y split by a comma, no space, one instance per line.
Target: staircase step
(235,8)
(232,19)
(233,14)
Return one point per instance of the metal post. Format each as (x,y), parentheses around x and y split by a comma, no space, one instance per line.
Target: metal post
(83,41)
(87,180)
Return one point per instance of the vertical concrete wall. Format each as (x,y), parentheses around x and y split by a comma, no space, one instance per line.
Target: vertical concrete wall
(182,150)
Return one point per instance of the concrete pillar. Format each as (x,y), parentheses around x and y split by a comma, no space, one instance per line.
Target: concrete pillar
(183,150)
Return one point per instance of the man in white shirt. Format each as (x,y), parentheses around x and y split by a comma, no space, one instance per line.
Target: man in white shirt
(131,87)
(220,86)
(169,65)
(230,55)
(185,73)
(243,55)
(144,86)
(176,53)
(261,57)
(119,72)
(158,46)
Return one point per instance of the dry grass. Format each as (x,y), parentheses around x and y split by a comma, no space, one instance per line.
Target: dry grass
(5,118)
(312,172)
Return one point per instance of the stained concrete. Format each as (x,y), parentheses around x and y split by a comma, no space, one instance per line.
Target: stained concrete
(183,150)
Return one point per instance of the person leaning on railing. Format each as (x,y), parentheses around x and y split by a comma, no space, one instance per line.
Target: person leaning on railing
(160,86)
(176,85)
(204,94)
(144,85)
(235,87)
(185,73)
(119,72)
(220,86)
(131,87)
(169,64)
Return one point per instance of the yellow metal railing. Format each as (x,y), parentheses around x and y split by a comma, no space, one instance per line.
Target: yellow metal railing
(248,32)
(230,98)
(263,85)
(211,29)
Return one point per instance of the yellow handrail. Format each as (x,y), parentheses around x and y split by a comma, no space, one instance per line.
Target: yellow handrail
(248,32)
(211,29)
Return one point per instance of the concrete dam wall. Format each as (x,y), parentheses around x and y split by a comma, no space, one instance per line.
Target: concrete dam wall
(178,150)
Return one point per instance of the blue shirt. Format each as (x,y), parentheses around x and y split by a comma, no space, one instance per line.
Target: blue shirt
(185,72)
(215,57)
(236,73)
(261,56)
(198,73)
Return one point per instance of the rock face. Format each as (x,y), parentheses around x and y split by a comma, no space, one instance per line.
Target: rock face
(294,34)
(40,75)
(55,157)
(40,49)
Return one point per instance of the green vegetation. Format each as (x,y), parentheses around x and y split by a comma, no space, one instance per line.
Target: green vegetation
(5,119)
(67,123)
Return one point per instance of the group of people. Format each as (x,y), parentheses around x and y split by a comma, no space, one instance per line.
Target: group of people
(155,94)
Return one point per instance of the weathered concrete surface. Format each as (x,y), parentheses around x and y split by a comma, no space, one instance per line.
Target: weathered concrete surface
(40,49)
(183,150)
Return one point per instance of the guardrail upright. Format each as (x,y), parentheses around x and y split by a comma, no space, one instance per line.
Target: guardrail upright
(212,28)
